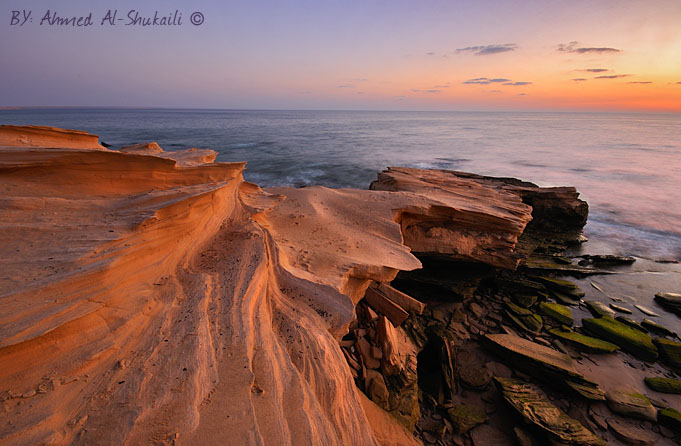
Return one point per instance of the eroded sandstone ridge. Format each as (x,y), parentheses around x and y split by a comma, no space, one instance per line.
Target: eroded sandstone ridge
(156,297)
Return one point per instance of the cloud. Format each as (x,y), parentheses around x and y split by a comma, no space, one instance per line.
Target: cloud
(360,79)
(493,91)
(430,53)
(521,94)
(486,50)
(580,79)
(415,90)
(640,82)
(595,70)
(612,76)
(345,86)
(573,47)
(486,81)
(441,86)
(517,83)
(678,83)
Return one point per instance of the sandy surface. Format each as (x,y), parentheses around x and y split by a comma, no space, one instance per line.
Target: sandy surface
(151,297)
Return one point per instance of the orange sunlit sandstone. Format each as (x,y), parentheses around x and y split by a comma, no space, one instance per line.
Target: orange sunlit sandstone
(151,288)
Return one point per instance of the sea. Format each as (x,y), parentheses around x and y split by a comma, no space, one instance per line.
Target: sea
(627,166)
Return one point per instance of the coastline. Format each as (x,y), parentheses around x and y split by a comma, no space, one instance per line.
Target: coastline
(161,290)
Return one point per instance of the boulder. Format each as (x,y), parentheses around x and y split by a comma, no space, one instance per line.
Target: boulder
(669,301)
(670,351)
(599,309)
(630,434)
(544,363)
(620,309)
(657,328)
(528,401)
(466,417)
(632,323)
(584,343)
(664,385)
(629,339)
(631,404)
(558,312)
(670,418)
(562,286)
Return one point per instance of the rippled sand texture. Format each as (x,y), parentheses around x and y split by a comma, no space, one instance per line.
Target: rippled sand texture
(150,296)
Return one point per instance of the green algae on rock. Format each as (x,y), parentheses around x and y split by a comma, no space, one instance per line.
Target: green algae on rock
(630,404)
(563,286)
(632,323)
(664,385)
(583,342)
(466,417)
(670,418)
(559,312)
(629,339)
(670,351)
(537,410)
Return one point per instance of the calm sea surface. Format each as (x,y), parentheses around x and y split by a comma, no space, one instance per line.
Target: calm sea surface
(627,166)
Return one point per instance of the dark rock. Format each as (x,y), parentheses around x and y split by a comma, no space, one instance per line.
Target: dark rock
(466,417)
(562,286)
(657,328)
(535,409)
(558,312)
(632,323)
(630,404)
(670,302)
(670,351)
(664,385)
(608,259)
(584,343)
(471,373)
(524,438)
(486,435)
(629,339)
(544,363)
(631,434)
(599,309)
(670,418)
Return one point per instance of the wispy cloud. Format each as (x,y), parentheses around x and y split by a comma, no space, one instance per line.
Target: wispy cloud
(430,53)
(345,86)
(573,47)
(612,76)
(441,86)
(580,79)
(492,91)
(517,83)
(416,90)
(595,70)
(521,94)
(640,82)
(678,83)
(360,79)
(486,81)
(486,50)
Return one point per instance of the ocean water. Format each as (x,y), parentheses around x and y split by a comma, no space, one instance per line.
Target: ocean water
(626,165)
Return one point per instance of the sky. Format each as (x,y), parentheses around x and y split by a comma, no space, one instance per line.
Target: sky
(348,54)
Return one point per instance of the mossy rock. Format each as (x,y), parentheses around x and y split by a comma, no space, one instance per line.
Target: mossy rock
(630,404)
(657,328)
(670,418)
(559,312)
(465,418)
(599,309)
(670,351)
(564,298)
(632,323)
(532,323)
(664,385)
(517,310)
(563,286)
(525,300)
(629,339)
(585,343)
